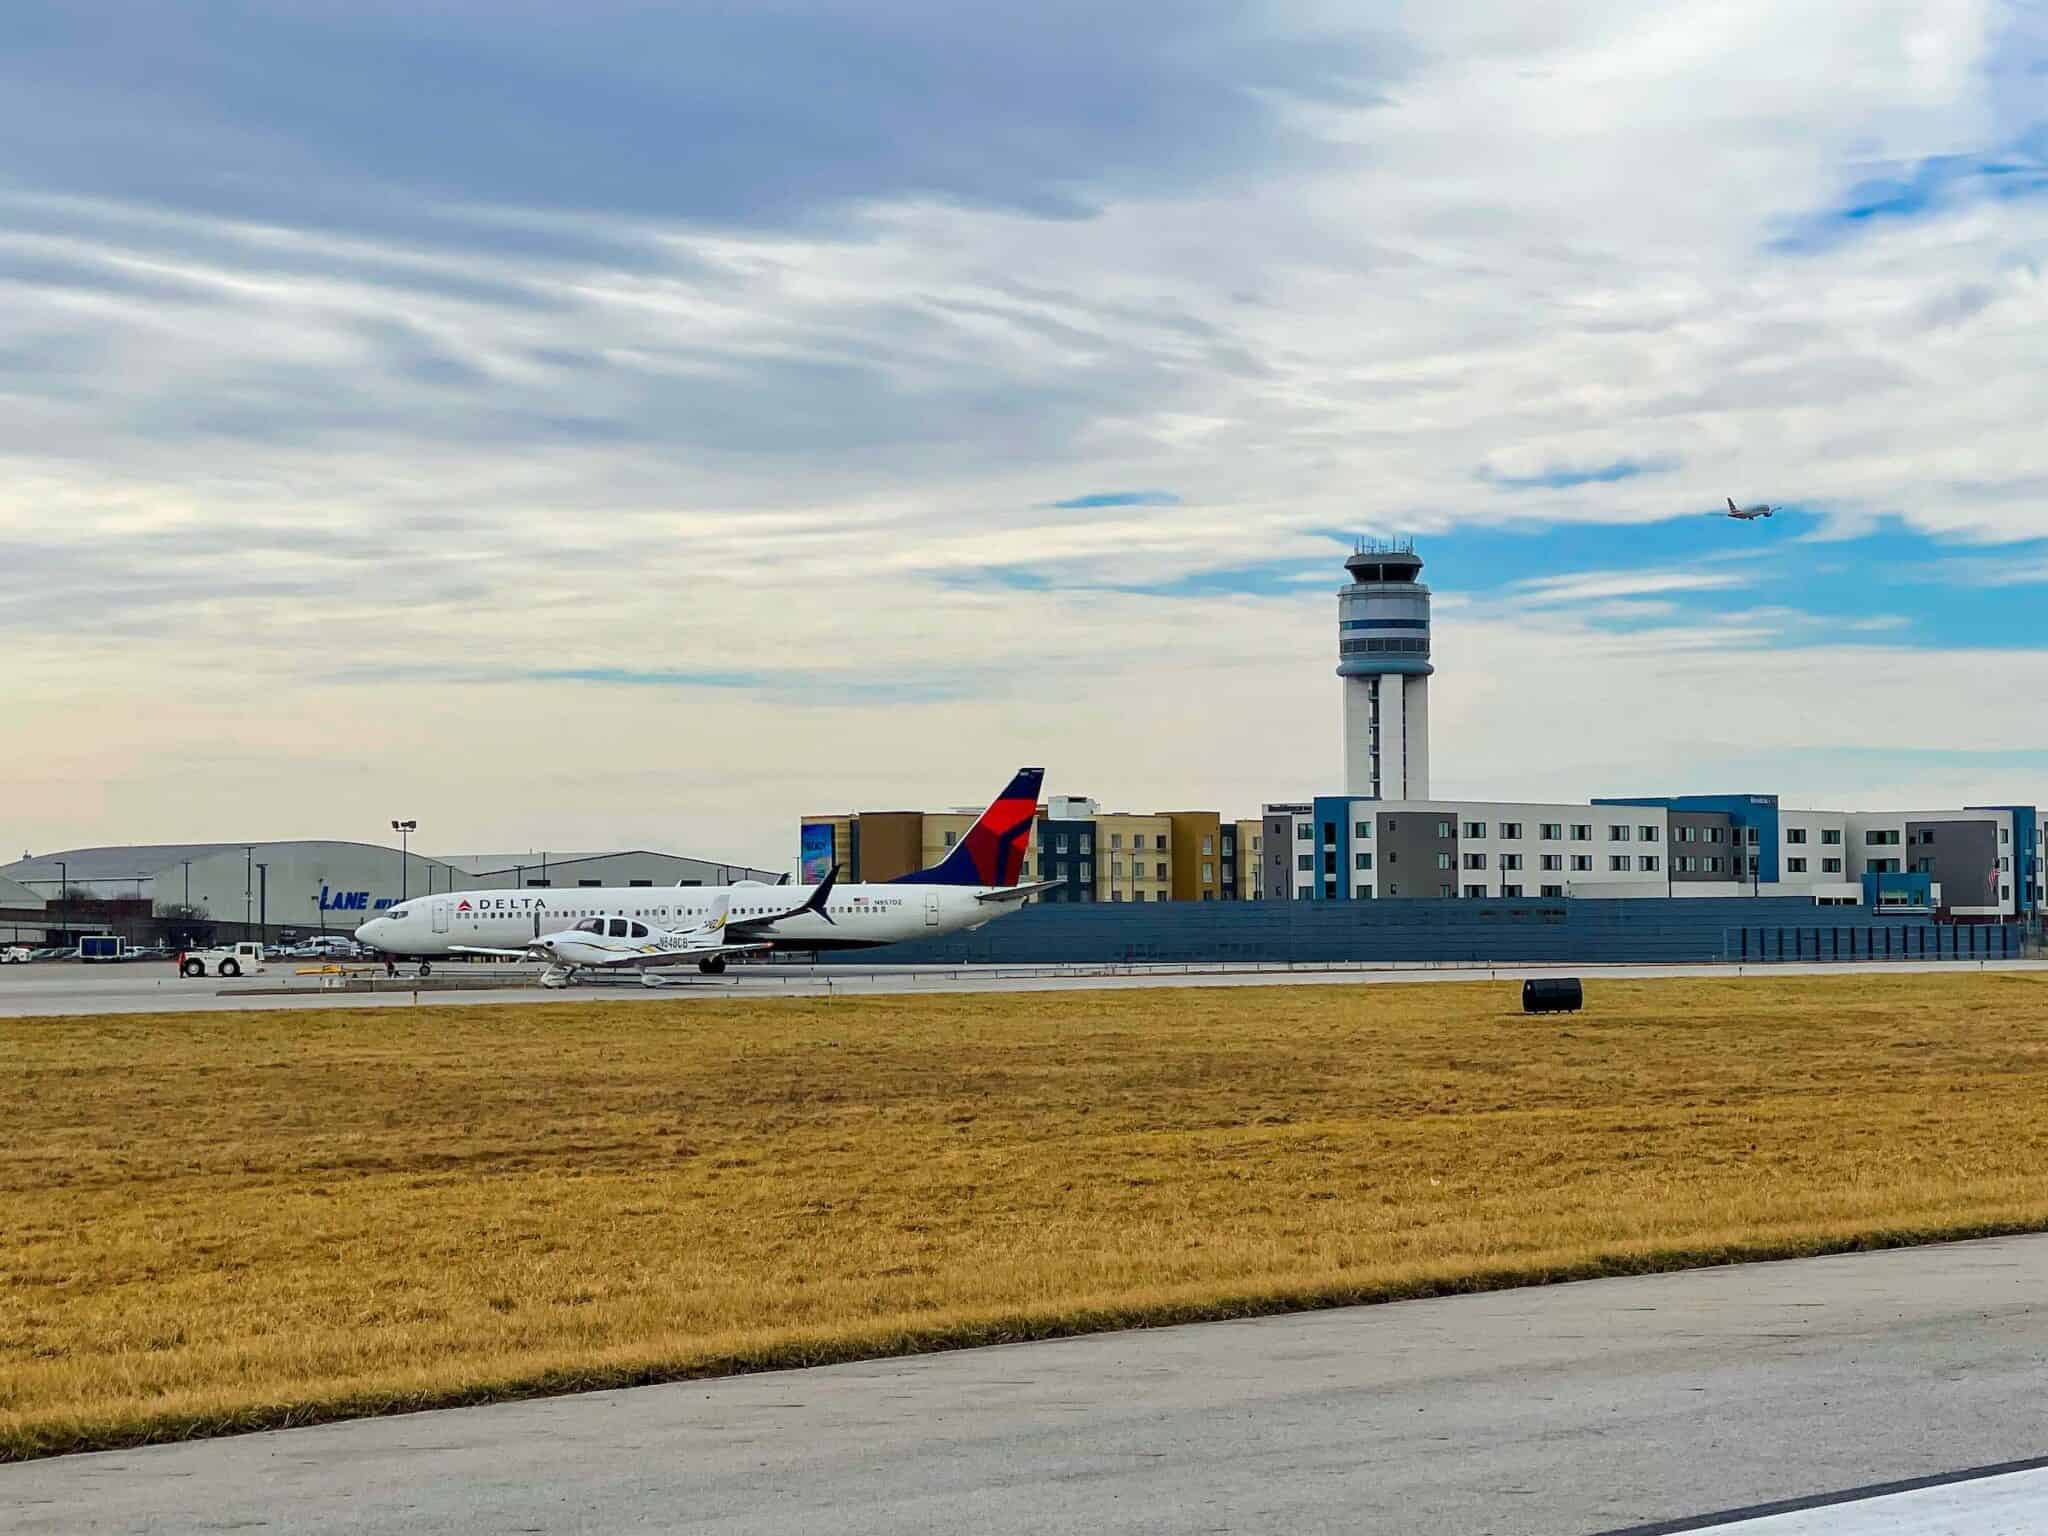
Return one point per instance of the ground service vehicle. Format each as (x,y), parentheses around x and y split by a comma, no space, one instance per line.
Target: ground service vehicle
(245,958)
(101,946)
(14,954)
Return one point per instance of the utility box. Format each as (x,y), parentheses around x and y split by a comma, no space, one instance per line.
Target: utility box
(1553,994)
(100,946)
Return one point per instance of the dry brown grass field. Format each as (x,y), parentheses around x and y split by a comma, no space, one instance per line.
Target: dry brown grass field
(219,1222)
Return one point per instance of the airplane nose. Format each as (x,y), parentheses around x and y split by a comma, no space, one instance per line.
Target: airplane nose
(367,933)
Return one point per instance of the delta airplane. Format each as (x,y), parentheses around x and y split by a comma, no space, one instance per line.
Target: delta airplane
(1745,514)
(643,927)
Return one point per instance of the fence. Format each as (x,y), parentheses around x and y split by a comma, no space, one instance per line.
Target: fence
(1686,930)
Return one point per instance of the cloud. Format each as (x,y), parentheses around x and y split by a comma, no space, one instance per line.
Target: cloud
(459,344)
(1567,479)
(1117,499)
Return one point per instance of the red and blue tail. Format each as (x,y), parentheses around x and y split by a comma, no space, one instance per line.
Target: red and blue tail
(992,852)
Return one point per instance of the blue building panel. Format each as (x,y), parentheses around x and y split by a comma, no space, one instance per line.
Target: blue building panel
(1744,811)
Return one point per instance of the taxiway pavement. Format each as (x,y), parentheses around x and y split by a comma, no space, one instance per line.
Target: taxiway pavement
(72,988)
(1603,1406)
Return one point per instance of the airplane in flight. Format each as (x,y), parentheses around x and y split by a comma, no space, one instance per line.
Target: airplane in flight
(977,882)
(1746,514)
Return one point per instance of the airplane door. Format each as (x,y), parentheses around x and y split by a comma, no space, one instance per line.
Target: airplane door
(931,909)
(440,917)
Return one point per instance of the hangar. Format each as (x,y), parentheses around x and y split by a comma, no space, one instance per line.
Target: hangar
(308,886)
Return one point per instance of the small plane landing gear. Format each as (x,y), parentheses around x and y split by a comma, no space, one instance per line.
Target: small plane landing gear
(712,967)
(558,976)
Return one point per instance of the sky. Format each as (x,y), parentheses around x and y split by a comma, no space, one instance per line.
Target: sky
(613,425)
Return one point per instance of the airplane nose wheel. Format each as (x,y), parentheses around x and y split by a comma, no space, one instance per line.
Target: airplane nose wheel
(557,976)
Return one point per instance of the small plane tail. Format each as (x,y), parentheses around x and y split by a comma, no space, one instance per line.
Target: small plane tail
(992,853)
(720,911)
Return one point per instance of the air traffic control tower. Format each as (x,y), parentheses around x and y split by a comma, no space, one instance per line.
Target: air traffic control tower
(1383,657)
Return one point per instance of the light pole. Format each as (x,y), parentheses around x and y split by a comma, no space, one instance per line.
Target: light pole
(263,900)
(188,885)
(63,895)
(404,829)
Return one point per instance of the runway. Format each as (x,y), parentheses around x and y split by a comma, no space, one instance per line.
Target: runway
(71,989)
(1761,1394)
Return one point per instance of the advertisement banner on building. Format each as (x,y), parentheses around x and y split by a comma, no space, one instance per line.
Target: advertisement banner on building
(815,852)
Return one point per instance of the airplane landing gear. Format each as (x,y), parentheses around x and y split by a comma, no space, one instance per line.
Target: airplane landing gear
(426,969)
(712,967)
(558,976)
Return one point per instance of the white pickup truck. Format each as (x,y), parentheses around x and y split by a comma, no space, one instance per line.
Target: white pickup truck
(245,958)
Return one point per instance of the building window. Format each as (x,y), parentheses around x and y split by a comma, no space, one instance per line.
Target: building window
(1511,861)
(1443,861)
(1208,844)
(1087,844)
(1795,866)
(1831,866)
(1553,861)
(1553,890)
(1553,831)
(1306,863)
(1159,842)
(1116,895)
(1361,861)
(1229,844)
(1511,890)
(1364,893)
(1651,863)
(1582,863)
(1648,834)
(1475,861)
(1087,870)
(1877,839)
(1305,832)
(1831,837)
(952,838)
(1713,866)
(1618,862)
(1582,831)
(1447,889)
(1475,829)
(1443,829)
(1059,845)
(1116,869)
(1475,892)
(1116,839)
(1617,834)
(1795,835)
(1362,829)
(1713,834)
(1208,873)
(1511,830)
(1159,871)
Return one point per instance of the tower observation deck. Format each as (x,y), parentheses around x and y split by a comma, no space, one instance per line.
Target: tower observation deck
(1383,657)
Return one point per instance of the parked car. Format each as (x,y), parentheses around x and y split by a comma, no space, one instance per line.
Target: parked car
(16,954)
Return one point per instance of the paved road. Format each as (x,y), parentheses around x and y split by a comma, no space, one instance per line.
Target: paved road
(1554,1412)
(33,990)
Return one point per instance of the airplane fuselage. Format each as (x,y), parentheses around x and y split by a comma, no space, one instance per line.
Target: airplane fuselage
(861,916)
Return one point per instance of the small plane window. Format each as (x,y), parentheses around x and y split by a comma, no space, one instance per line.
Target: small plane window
(591,925)
(639,930)
(619,926)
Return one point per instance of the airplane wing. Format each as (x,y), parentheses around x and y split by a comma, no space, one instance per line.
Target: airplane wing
(1018,892)
(748,927)
(650,959)
(509,954)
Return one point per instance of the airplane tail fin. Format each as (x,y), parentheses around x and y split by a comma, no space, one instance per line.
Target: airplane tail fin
(992,853)
(1731,506)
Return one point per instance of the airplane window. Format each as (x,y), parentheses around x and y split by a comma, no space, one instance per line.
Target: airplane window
(639,930)
(591,925)
(618,927)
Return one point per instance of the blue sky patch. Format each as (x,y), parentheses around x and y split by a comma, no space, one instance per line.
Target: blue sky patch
(1117,499)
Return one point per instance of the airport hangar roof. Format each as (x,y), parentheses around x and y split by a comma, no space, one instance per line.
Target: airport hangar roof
(128,860)
(20,896)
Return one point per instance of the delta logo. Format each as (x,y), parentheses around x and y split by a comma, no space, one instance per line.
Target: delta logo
(502,904)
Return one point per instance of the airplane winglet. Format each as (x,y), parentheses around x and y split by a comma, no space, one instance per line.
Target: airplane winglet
(821,895)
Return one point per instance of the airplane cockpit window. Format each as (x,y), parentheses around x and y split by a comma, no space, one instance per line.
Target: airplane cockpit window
(619,926)
(591,925)
(639,930)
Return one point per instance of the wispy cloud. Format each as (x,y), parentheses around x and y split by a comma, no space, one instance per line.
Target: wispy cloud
(1117,499)
(1568,479)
